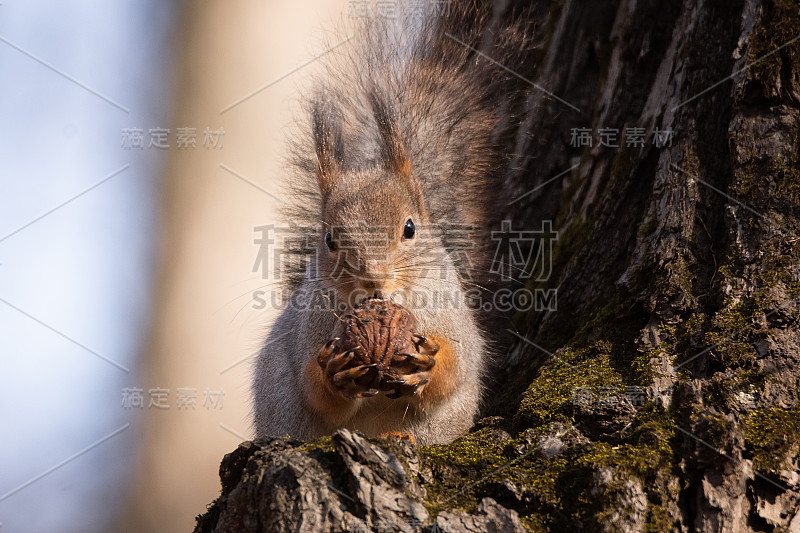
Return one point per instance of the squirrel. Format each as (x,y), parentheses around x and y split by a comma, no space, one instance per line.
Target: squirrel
(403,141)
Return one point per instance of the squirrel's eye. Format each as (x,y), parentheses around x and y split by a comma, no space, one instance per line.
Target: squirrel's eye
(409,230)
(329,242)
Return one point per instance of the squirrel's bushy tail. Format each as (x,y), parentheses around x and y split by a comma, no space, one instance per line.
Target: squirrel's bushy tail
(445,87)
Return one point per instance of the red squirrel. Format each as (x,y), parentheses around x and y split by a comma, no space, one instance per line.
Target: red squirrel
(400,139)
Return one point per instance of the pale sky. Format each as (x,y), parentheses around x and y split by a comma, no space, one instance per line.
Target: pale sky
(75,284)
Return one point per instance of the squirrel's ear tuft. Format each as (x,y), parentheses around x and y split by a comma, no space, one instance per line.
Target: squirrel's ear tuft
(328,143)
(393,149)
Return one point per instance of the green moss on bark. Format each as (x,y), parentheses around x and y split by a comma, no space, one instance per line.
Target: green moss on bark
(731,330)
(550,396)
(556,491)
(773,435)
(779,23)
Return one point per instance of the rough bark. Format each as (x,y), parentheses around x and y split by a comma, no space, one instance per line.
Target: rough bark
(677,271)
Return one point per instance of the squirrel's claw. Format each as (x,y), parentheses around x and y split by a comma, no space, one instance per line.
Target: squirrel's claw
(324,354)
(340,375)
(350,374)
(425,346)
(409,385)
(337,362)
(412,363)
(344,382)
(412,369)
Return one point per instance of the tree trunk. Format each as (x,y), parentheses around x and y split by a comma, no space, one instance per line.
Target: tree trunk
(661,393)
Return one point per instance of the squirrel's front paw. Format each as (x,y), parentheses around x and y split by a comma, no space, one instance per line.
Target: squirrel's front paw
(343,378)
(410,372)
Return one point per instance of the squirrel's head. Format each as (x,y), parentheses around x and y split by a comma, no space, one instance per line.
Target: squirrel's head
(374,219)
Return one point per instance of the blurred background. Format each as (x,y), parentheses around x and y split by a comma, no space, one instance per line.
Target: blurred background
(140,147)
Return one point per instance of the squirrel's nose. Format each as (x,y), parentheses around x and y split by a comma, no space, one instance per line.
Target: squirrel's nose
(375,290)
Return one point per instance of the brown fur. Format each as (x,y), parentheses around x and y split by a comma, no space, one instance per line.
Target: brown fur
(321,396)
(443,375)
